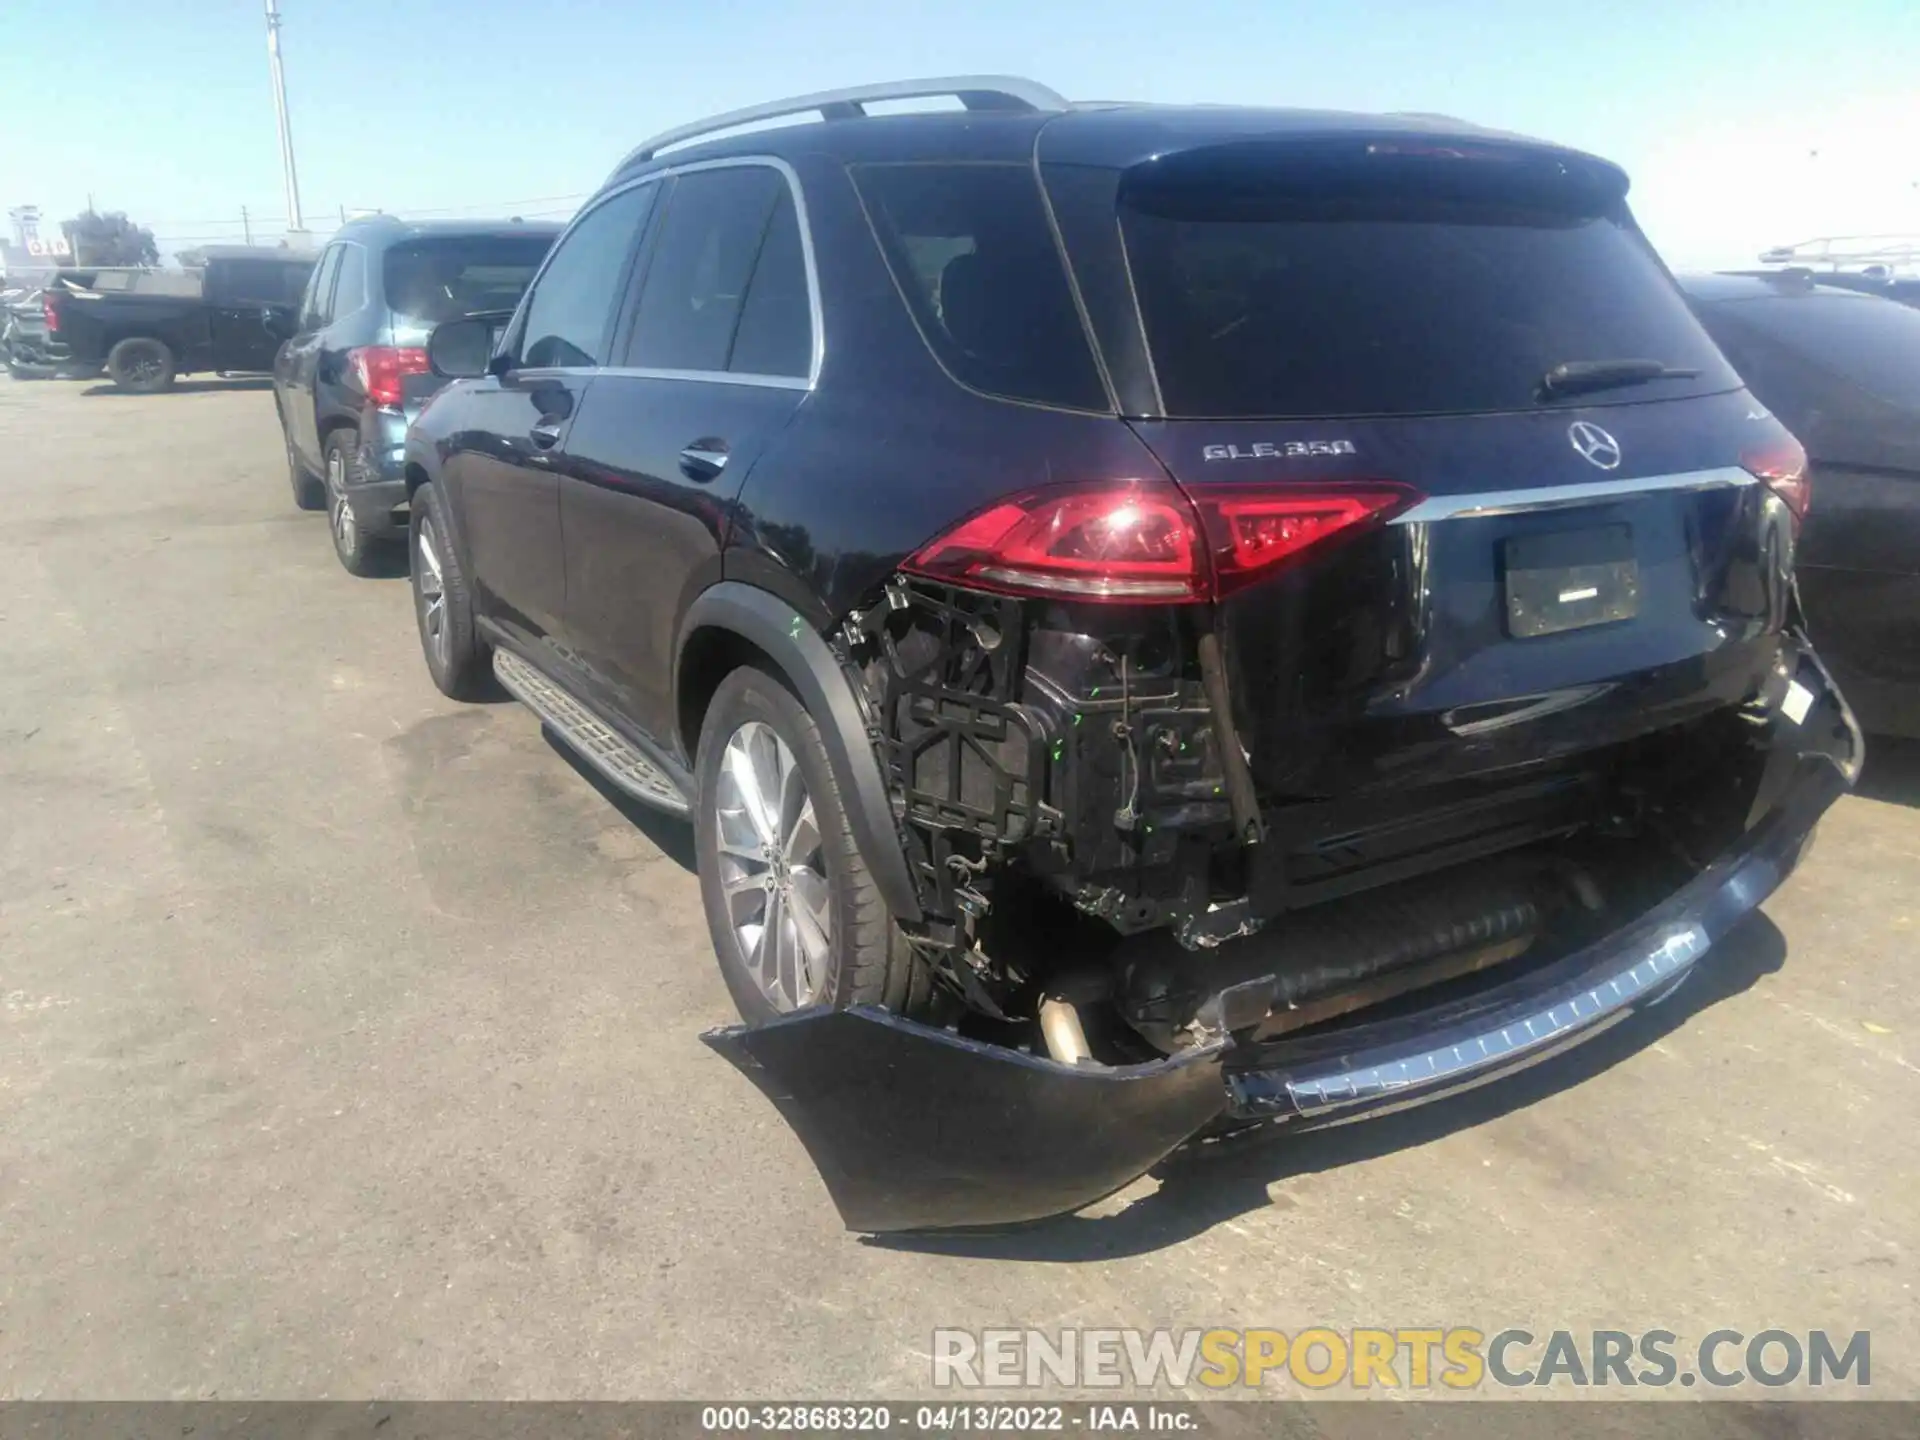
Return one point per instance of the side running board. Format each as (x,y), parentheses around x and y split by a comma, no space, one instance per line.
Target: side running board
(624,764)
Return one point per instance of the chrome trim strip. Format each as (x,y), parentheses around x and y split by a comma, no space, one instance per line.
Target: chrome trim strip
(1678,947)
(1560,497)
(711,377)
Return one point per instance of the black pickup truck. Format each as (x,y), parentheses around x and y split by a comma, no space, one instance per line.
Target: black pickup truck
(226,318)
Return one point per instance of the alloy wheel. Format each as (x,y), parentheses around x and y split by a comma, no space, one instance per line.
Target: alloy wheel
(340,512)
(772,868)
(431,587)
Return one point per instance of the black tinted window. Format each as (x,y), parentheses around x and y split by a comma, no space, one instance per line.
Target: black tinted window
(320,289)
(775,334)
(1869,342)
(697,279)
(262,282)
(443,278)
(350,290)
(1396,285)
(970,248)
(571,309)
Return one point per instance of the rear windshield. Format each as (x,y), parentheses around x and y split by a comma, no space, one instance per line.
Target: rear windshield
(1403,285)
(1869,342)
(436,280)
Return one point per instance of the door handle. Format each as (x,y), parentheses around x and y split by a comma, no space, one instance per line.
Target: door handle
(545,433)
(704,459)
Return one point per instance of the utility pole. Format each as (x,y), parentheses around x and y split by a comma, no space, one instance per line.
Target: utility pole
(296,224)
(246,225)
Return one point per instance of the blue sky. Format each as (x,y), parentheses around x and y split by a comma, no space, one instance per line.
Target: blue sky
(1744,122)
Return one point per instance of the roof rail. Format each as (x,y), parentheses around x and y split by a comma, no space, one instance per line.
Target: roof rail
(1885,251)
(975,92)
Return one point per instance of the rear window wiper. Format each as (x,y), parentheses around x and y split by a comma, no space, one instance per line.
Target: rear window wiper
(1572,377)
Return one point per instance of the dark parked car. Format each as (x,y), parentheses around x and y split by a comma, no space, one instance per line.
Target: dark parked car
(25,345)
(354,371)
(146,330)
(1158,617)
(1842,370)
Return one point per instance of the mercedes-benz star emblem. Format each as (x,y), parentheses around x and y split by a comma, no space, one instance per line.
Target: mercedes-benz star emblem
(1596,447)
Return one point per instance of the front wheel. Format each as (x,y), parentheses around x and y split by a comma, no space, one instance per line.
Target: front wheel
(796,918)
(456,657)
(141,365)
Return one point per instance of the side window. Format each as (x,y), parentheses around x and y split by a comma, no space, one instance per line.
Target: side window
(775,334)
(696,285)
(970,248)
(572,305)
(253,282)
(313,310)
(350,292)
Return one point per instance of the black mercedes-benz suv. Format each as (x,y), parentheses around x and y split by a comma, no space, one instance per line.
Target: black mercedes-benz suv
(1160,618)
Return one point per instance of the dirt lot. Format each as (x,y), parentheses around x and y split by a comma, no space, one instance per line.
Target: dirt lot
(349,1041)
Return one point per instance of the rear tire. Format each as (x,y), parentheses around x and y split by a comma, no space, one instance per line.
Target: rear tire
(457,658)
(359,553)
(142,365)
(795,916)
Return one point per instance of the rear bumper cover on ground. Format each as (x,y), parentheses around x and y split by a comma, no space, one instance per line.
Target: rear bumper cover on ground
(915,1128)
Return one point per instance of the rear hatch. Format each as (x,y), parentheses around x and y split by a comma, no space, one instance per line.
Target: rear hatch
(1433,559)
(437,278)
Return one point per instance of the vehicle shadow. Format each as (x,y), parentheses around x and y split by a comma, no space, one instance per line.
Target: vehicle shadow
(1892,772)
(185,387)
(671,835)
(1209,1182)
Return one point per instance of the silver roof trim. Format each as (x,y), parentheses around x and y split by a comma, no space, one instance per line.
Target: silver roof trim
(976,92)
(1561,497)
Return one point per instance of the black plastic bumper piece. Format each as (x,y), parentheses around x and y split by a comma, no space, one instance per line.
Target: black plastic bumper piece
(914,1128)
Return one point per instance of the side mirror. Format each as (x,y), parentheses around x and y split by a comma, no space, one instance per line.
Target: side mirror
(461,349)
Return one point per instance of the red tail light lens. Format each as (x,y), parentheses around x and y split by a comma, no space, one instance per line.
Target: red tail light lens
(1250,532)
(1141,541)
(377,370)
(1130,541)
(1782,464)
(50,312)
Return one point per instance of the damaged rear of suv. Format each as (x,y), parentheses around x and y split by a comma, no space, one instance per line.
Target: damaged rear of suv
(1257,616)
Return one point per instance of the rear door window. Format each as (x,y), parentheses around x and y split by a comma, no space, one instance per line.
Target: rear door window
(262,282)
(315,310)
(442,278)
(1387,284)
(350,289)
(695,292)
(975,259)
(571,309)
(775,333)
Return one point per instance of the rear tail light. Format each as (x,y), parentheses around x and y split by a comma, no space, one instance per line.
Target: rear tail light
(1782,464)
(377,370)
(1251,532)
(1145,541)
(50,312)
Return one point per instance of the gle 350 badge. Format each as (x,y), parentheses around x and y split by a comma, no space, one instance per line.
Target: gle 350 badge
(1278,449)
